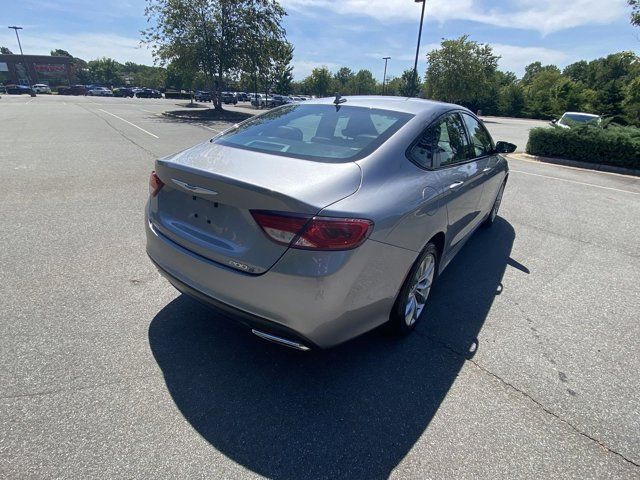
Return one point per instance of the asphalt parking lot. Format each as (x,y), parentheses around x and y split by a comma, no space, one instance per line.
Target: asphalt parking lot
(526,368)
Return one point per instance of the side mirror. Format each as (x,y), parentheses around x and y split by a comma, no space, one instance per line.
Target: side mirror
(505,147)
(554,121)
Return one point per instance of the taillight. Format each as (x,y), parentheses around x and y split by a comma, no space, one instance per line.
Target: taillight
(155,184)
(314,233)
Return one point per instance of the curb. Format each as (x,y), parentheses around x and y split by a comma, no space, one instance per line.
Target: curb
(600,167)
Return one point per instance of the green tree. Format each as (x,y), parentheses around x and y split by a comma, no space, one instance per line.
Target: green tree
(58,52)
(540,96)
(319,82)
(5,51)
(462,71)
(631,103)
(105,71)
(363,83)
(578,72)
(635,12)
(282,68)
(144,75)
(511,100)
(405,85)
(219,38)
(534,69)
(567,95)
(609,76)
(341,80)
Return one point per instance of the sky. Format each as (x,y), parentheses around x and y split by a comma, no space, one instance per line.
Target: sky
(353,33)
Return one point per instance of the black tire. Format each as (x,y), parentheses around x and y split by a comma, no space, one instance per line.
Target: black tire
(493,214)
(398,323)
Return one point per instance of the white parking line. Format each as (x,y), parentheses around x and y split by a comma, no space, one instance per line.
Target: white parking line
(575,181)
(127,121)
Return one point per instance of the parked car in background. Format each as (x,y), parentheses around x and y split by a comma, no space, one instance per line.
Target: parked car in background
(148,93)
(203,96)
(277,100)
(393,189)
(72,90)
(229,97)
(99,92)
(570,119)
(242,96)
(124,92)
(18,89)
(41,88)
(258,100)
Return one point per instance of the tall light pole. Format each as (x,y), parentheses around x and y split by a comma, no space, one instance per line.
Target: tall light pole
(415,65)
(24,64)
(384,77)
(18,37)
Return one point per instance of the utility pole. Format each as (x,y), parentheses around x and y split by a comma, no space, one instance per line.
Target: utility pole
(18,37)
(384,77)
(415,65)
(26,68)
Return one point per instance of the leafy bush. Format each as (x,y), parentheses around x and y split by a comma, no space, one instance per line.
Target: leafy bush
(613,145)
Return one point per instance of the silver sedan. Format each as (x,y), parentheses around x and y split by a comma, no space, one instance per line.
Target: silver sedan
(318,221)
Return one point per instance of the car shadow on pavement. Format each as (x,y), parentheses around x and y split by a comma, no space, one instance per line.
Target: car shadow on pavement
(353,411)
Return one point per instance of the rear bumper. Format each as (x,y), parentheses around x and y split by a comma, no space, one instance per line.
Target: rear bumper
(319,299)
(251,321)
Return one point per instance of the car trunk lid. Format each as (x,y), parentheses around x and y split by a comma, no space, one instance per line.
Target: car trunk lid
(209,192)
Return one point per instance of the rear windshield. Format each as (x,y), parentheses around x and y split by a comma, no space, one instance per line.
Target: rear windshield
(316,132)
(576,117)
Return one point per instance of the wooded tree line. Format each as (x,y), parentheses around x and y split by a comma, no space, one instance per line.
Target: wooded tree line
(465,72)
(109,72)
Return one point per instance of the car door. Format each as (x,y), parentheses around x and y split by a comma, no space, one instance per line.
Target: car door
(483,150)
(461,177)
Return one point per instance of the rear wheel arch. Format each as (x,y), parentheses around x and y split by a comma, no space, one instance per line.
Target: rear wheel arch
(438,240)
(397,323)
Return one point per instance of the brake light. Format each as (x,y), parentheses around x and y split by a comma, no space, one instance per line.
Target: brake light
(155,184)
(314,233)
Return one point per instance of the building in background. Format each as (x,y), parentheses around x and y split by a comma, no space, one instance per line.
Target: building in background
(19,69)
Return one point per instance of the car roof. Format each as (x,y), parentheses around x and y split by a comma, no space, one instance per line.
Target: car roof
(581,113)
(415,106)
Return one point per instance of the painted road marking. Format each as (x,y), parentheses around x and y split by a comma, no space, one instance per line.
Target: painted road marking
(576,182)
(127,121)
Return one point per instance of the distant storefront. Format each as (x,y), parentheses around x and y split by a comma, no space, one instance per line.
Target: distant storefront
(22,70)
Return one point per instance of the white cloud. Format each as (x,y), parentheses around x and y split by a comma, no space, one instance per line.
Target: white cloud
(544,16)
(87,46)
(303,68)
(515,58)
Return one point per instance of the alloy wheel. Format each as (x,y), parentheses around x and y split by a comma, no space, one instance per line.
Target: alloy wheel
(419,290)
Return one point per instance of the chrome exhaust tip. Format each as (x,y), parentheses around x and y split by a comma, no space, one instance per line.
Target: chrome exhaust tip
(280,340)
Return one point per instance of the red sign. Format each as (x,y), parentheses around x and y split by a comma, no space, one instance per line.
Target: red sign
(39,67)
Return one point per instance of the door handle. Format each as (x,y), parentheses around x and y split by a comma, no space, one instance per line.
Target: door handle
(455,185)
(488,169)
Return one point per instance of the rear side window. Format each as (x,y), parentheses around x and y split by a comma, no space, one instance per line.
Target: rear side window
(481,142)
(443,143)
(316,132)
